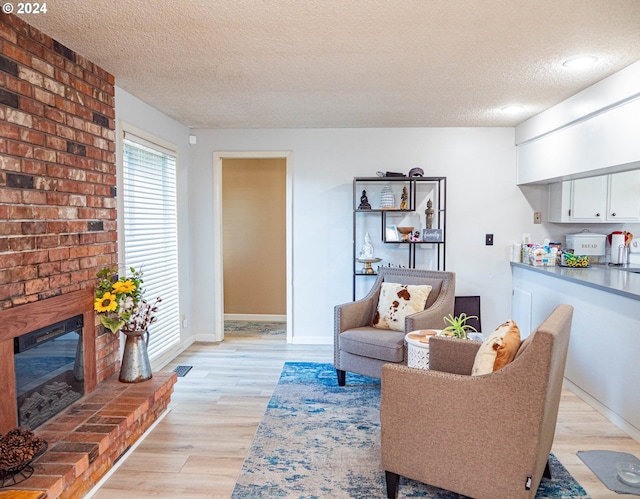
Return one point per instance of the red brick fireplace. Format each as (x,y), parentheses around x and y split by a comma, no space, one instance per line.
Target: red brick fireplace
(57,194)
(57,229)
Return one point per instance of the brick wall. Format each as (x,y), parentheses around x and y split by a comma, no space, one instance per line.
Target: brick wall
(57,172)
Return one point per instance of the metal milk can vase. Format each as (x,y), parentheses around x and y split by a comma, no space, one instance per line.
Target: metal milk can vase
(135,361)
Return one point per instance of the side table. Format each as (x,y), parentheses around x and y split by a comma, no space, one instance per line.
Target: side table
(418,347)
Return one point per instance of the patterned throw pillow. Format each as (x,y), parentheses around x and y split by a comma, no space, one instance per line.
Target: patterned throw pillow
(397,301)
(498,350)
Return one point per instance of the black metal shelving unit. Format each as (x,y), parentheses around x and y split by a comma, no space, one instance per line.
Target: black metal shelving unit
(416,199)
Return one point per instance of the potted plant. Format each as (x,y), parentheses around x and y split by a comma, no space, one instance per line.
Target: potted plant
(457,326)
(120,304)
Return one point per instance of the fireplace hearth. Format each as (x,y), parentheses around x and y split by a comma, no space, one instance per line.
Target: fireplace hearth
(49,370)
(86,438)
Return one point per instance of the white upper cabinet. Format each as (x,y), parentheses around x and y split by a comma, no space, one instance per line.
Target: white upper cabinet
(589,199)
(607,198)
(624,197)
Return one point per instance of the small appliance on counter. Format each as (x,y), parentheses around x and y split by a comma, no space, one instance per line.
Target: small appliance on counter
(620,241)
(589,244)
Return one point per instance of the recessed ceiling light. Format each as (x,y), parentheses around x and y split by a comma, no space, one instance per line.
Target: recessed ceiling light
(512,109)
(581,62)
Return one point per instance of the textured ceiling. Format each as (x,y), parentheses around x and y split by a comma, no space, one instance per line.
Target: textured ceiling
(340,63)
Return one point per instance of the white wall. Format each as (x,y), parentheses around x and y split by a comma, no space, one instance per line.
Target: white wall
(133,112)
(479,164)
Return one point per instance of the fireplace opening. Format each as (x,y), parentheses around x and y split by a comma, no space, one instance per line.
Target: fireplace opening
(49,368)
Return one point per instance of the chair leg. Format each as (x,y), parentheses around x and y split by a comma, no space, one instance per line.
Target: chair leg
(342,377)
(393,479)
(547,470)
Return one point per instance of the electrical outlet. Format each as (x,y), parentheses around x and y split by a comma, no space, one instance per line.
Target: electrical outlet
(537,217)
(488,239)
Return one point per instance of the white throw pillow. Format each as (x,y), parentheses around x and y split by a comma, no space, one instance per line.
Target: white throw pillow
(397,301)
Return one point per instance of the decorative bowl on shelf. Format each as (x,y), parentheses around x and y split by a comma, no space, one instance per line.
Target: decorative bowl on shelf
(406,233)
(629,473)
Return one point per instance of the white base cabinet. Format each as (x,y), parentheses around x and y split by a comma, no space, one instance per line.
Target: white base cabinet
(602,362)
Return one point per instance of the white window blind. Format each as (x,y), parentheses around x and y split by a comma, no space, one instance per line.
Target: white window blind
(151,234)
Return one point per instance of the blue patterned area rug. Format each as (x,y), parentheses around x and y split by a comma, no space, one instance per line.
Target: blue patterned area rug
(318,440)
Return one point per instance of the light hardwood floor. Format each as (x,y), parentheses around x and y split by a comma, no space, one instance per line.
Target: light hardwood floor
(196,451)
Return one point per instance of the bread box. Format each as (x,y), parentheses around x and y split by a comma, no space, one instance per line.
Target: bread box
(587,243)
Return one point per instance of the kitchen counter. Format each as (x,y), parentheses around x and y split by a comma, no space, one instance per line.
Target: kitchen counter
(602,362)
(618,280)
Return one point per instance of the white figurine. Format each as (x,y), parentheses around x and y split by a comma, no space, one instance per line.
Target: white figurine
(367,248)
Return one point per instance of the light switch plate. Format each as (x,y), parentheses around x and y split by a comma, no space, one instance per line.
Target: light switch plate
(537,217)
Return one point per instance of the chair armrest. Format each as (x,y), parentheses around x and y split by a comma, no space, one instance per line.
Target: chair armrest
(354,314)
(452,355)
(433,317)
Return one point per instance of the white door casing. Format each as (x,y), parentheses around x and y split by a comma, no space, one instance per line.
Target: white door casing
(218,305)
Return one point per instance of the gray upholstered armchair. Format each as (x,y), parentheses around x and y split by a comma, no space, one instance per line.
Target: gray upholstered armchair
(481,436)
(363,349)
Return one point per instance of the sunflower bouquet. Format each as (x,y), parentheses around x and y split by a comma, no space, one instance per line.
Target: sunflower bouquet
(120,303)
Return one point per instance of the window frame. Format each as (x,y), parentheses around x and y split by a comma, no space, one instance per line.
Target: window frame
(170,344)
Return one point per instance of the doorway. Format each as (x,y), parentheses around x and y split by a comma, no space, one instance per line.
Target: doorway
(252,234)
(254,238)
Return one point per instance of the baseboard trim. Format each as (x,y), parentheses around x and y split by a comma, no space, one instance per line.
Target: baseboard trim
(620,422)
(207,338)
(312,340)
(255,317)
(164,360)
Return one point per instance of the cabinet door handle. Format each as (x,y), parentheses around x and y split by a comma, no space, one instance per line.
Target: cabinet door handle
(597,214)
(613,214)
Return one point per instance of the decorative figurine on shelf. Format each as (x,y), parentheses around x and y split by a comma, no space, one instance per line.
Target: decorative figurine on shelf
(366,256)
(404,205)
(367,248)
(364,202)
(416,236)
(429,213)
(387,199)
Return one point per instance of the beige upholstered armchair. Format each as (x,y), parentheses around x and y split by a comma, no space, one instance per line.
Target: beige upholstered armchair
(363,349)
(482,436)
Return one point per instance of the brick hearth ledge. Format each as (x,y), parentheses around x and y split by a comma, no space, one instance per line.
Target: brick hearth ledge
(88,437)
